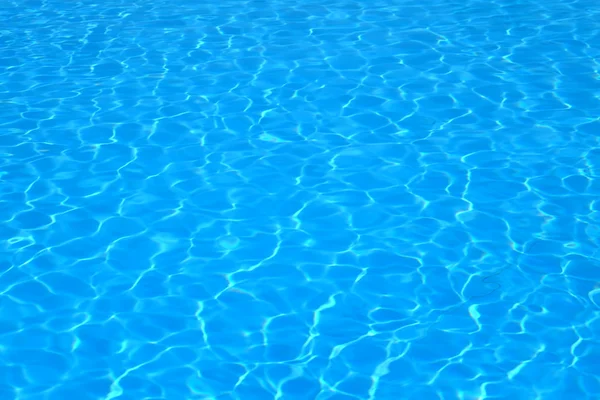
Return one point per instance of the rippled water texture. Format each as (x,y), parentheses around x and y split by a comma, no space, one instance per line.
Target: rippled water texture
(299,200)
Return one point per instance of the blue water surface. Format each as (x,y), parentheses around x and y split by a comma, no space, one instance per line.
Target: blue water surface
(309,199)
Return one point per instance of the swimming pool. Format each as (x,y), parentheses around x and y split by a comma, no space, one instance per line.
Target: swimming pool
(299,200)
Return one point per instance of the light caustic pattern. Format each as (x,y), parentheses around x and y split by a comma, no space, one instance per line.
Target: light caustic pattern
(299,200)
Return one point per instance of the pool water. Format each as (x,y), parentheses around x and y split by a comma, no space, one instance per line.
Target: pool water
(303,199)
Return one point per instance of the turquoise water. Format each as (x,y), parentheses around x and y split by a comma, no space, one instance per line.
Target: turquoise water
(299,200)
